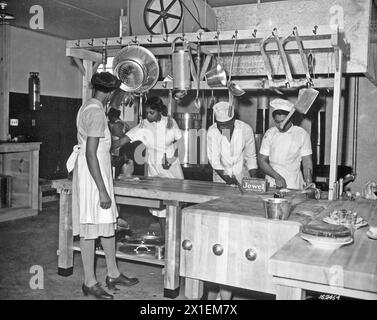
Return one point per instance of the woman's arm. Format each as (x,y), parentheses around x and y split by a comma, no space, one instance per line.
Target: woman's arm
(307,165)
(264,165)
(95,171)
(120,142)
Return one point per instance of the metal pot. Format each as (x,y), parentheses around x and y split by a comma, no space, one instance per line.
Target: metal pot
(137,68)
(190,147)
(277,208)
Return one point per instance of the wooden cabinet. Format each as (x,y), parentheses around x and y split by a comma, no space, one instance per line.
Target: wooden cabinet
(20,161)
(229,241)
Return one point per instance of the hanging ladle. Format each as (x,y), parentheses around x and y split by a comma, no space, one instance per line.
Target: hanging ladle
(198,103)
(212,100)
(234,89)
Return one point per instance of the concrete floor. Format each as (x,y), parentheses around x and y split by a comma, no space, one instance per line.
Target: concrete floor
(32,242)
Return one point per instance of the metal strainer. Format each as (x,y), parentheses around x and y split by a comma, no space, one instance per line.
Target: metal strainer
(137,68)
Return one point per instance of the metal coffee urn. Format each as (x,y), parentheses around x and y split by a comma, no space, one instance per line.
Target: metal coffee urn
(192,148)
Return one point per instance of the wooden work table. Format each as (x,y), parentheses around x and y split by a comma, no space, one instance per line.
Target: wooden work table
(348,271)
(221,216)
(147,192)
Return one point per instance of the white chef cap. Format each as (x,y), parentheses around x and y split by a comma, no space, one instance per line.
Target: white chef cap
(281,104)
(221,110)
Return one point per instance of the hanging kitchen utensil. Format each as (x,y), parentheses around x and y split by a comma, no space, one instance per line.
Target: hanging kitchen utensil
(212,100)
(311,64)
(137,68)
(181,68)
(304,59)
(211,103)
(305,99)
(231,101)
(141,110)
(170,104)
(216,77)
(283,57)
(271,82)
(198,103)
(233,87)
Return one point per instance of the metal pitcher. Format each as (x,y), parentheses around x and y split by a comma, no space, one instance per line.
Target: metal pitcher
(216,77)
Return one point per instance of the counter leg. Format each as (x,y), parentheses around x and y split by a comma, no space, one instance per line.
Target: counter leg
(172,250)
(65,252)
(193,288)
(289,293)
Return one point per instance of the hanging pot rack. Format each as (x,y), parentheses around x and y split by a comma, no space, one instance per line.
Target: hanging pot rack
(315,38)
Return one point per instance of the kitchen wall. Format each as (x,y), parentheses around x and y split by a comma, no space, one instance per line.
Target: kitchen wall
(33,51)
(54,123)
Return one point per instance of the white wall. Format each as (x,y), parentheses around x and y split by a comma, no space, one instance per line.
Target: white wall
(367,135)
(32,51)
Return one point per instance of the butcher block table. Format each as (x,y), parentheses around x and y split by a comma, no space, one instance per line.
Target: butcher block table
(229,241)
(349,271)
(147,192)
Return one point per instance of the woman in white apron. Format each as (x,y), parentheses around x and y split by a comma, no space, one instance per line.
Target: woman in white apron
(159,133)
(94,209)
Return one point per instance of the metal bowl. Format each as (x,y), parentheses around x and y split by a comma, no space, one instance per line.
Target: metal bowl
(277,208)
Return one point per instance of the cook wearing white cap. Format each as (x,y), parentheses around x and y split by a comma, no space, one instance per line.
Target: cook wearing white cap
(283,149)
(230,146)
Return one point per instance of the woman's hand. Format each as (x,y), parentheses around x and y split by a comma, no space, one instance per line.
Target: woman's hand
(280,182)
(104,200)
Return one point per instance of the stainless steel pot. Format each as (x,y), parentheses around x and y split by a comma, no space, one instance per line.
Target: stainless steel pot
(190,148)
(137,68)
(277,208)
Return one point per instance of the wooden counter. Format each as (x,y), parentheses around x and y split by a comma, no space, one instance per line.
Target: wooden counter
(21,162)
(348,271)
(237,225)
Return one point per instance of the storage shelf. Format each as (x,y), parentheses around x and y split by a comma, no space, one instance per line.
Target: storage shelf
(124,256)
(8,214)
(323,83)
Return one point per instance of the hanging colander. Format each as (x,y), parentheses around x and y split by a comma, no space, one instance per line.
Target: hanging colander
(137,68)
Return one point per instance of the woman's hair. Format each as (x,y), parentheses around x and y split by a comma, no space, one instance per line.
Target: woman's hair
(156,103)
(105,82)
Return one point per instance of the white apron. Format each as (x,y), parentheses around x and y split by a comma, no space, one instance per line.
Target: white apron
(85,195)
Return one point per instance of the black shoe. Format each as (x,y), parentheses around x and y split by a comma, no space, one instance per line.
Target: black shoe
(96,291)
(122,280)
